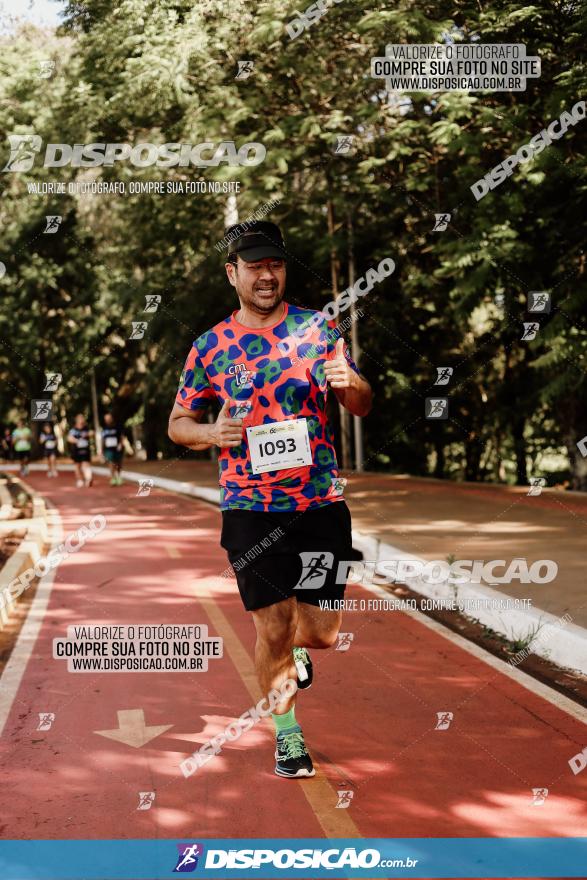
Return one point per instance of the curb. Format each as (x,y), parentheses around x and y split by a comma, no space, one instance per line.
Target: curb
(559,642)
(564,644)
(21,653)
(5,501)
(29,550)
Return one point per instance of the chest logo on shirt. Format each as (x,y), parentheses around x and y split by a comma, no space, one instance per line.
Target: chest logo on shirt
(243,378)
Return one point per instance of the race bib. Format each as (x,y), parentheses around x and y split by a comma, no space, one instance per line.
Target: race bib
(82,443)
(279,445)
(109,442)
(50,444)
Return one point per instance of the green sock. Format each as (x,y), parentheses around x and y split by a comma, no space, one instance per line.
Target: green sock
(286,723)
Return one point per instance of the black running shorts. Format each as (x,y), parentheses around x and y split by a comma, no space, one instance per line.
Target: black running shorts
(279,555)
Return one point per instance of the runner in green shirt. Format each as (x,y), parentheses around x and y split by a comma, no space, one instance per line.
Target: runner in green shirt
(21,439)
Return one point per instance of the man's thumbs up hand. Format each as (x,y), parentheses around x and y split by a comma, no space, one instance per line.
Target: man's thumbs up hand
(338,373)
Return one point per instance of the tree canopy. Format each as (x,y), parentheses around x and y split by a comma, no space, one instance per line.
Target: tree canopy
(130,71)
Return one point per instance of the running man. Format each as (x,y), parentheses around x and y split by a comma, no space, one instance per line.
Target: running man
(79,438)
(21,441)
(112,449)
(277,462)
(48,441)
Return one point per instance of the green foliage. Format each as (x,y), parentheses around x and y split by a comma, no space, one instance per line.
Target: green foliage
(163,71)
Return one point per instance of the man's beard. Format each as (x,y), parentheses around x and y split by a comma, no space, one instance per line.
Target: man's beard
(264,299)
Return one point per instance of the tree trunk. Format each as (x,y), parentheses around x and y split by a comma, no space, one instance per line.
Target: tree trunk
(520,451)
(151,430)
(344,415)
(355,347)
(440,460)
(472,459)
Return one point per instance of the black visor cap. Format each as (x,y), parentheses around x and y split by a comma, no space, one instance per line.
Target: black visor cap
(257,242)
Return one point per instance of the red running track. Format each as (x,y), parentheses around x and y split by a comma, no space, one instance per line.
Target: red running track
(369,719)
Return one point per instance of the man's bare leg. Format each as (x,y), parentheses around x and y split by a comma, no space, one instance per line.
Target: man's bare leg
(317,628)
(87,473)
(276,629)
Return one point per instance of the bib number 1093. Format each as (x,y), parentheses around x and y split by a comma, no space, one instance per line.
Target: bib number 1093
(269,448)
(279,445)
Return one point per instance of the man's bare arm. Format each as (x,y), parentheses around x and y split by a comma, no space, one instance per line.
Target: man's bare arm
(351,389)
(357,397)
(187,428)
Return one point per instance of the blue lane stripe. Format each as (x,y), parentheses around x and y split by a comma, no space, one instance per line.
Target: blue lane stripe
(157,859)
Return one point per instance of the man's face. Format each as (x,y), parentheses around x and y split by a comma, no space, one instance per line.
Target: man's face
(261,285)
(108,419)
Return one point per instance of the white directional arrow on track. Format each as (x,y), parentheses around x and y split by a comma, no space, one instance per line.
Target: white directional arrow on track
(132,730)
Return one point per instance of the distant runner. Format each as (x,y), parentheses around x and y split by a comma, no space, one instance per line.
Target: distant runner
(7,448)
(48,441)
(112,448)
(279,477)
(79,438)
(21,441)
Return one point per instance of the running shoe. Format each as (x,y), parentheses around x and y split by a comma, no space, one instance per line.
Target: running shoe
(292,757)
(113,481)
(304,668)
(79,484)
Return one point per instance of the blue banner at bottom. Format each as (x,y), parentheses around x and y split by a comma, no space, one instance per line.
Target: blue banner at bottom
(532,857)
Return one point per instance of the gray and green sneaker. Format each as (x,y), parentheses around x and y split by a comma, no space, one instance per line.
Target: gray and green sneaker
(292,757)
(304,668)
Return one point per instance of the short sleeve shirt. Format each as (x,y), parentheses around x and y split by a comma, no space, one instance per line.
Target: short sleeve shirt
(21,438)
(49,441)
(278,373)
(111,437)
(81,437)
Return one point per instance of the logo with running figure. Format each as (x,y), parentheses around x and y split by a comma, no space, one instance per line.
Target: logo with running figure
(444,374)
(46,720)
(441,222)
(23,150)
(145,487)
(436,408)
(245,69)
(41,410)
(316,566)
(344,145)
(146,800)
(52,223)
(344,641)
(152,302)
(52,381)
(539,301)
(443,720)
(138,329)
(344,799)
(187,860)
(531,328)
